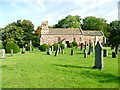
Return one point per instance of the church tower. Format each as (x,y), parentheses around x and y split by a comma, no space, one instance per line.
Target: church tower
(45,29)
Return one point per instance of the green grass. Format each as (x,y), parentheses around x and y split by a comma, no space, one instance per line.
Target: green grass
(38,70)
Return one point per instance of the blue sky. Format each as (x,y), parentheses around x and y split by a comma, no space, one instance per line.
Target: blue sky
(54,10)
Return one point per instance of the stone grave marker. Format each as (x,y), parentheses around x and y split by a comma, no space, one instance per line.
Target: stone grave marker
(49,52)
(11,52)
(30,46)
(85,46)
(23,50)
(105,53)
(90,46)
(113,55)
(98,56)
(62,51)
(3,53)
(81,46)
(85,53)
(56,52)
(72,52)
(65,45)
(116,49)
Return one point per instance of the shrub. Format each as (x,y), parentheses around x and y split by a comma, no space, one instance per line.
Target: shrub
(55,46)
(11,45)
(60,42)
(74,43)
(43,47)
(28,47)
(62,46)
(70,45)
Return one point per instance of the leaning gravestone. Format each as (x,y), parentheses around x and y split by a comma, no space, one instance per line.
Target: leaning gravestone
(98,56)
(3,53)
(30,46)
(113,55)
(105,53)
(72,52)
(85,53)
(11,52)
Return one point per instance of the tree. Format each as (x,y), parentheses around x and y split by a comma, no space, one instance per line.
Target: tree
(93,23)
(114,36)
(69,22)
(12,33)
(28,29)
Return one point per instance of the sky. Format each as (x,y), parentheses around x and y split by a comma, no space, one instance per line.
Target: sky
(54,10)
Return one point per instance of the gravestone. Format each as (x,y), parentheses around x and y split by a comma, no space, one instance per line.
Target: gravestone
(81,46)
(113,55)
(30,46)
(56,52)
(23,50)
(11,52)
(85,53)
(3,53)
(104,40)
(85,45)
(72,52)
(105,53)
(90,47)
(98,56)
(62,51)
(65,45)
(49,52)
(116,49)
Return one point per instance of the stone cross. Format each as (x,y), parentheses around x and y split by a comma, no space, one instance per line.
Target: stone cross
(105,53)
(98,56)
(30,46)
(11,52)
(72,52)
(3,53)
(85,53)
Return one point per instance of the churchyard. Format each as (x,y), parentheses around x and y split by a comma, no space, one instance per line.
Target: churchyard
(71,69)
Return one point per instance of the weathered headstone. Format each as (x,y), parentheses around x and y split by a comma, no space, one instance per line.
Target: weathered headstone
(30,46)
(85,53)
(105,53)
(72,52)
(113,55)
(116,49)
(23,50)
(62,51)
(11,52)
(3,53)
(56,52)
(98,56)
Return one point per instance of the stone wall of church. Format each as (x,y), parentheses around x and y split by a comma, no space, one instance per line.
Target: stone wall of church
(51,39)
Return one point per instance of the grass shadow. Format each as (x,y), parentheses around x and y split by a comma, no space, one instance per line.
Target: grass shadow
(72,66)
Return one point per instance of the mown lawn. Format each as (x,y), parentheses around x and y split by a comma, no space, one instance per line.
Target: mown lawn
(38,70)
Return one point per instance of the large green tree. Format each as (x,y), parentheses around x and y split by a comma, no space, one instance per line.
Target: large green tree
(69,22)
(93,23)
(12,33)
(114,36)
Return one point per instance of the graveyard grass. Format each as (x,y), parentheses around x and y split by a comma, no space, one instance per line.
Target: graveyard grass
(38,70)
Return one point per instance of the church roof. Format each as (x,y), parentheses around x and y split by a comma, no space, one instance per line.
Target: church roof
(93,33)
(65,31)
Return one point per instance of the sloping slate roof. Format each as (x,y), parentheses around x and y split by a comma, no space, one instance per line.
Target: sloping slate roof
(65,31)
(93,33)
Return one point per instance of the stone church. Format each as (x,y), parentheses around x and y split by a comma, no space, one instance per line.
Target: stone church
(54,35)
